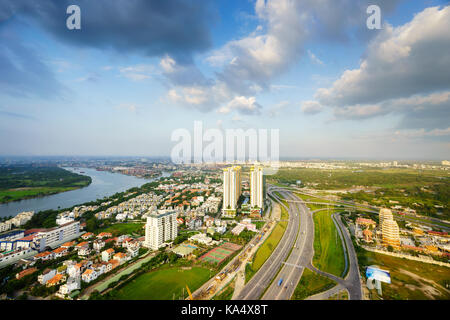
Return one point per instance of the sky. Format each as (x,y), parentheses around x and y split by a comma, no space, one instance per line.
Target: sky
(138,70)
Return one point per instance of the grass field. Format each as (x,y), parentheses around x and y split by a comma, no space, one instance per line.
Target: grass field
(311,283)
(268,246)
(421,190)
(412,280)
(347,178)
(123,228)
(164,284)
(308,197)
(328,251)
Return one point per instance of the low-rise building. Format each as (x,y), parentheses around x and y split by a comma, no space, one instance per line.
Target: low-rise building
(72,284)
(57,279)
(46,255)
(201,238)
(89,275)
(46,276)
(98,244)
(107,254)
(25,273)
(103,235)
(87,235)
(120,256)
(60,252)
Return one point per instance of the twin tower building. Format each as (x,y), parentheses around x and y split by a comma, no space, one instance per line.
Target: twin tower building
(232,190)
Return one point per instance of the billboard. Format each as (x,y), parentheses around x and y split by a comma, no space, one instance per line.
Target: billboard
(378,274)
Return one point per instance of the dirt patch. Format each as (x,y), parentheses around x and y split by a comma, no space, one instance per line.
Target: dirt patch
(276,212)
(428,287)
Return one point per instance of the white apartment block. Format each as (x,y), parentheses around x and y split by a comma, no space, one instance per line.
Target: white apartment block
(5,226)
(160,227)
(257,187)
(63,220)
(21,218)
(53,236)
(231,189)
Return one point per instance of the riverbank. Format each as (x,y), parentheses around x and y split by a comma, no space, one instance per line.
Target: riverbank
(104,184)
(26,182)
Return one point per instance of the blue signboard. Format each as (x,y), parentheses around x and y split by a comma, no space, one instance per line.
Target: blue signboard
(378,274)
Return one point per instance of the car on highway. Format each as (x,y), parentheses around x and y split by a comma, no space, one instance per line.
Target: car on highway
(280,282)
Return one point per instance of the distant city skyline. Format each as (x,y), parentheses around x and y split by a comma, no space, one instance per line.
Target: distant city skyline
(133,74)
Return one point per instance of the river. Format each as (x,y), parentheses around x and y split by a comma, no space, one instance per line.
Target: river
(104,184)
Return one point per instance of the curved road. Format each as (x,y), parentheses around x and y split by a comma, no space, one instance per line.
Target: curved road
(301,256)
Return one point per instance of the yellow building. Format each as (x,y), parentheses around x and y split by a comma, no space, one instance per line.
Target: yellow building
(390,233)
(385,214)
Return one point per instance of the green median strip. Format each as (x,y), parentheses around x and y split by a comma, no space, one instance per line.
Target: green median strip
(310,284)
(328,250)
(268,246)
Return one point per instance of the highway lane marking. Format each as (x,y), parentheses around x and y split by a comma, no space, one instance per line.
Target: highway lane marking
(289,278)
(280,253)
(302,210)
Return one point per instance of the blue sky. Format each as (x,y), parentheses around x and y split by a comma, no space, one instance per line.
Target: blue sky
(135,73)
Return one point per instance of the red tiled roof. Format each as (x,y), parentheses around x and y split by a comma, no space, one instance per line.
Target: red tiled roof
(59,250)
(31,231)
(43,254)
(28,238)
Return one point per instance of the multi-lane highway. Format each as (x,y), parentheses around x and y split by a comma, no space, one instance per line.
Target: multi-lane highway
(255,288)
(302,252)
(295,252)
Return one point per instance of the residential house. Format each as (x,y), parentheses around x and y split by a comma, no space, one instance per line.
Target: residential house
(114,263)
(46,275)
(75,270)
(25,273)
(87,235)
(107,254)
(71,285)
(120,256)
(60,252)
(68,245)
(57,279)
(103,235)
(99,268)
(98,245)
(46,255)
(89,275)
